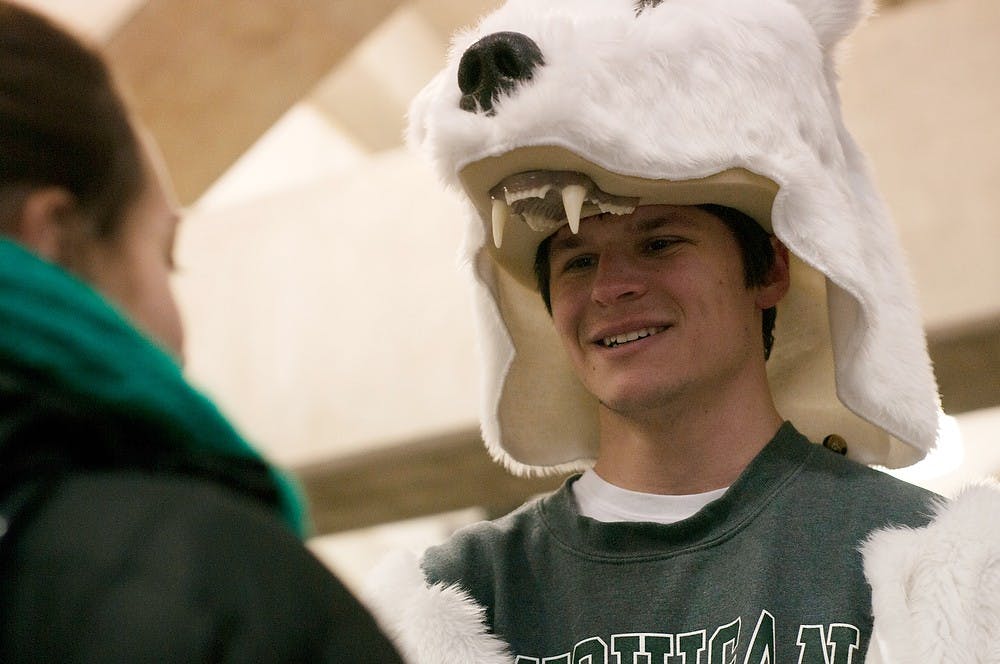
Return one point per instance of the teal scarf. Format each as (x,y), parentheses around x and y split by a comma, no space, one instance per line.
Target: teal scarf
(55,324)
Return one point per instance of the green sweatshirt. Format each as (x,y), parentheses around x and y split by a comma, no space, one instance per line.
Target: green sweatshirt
(769,573)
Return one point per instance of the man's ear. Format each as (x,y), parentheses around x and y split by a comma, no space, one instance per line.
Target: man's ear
(778,279)
(40,225)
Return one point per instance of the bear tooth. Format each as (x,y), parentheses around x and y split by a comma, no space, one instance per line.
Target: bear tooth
(500,215)
(615,209)
(573,196)
(536,192)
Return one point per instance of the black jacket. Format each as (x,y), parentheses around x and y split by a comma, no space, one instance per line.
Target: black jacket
(120,545)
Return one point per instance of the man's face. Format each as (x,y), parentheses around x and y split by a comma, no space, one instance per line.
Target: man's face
(653,306)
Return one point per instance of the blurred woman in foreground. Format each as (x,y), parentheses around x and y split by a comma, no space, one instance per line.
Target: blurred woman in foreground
(136,524)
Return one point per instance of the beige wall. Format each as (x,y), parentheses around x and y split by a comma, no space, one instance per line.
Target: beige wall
(330,317)
(921,93)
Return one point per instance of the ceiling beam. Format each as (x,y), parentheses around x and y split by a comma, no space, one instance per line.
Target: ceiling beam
(453,471)
(208,78)
(430,476)
(967,366)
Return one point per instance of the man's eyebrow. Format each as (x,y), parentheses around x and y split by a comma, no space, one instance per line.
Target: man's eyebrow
(659,221)
(569,242)
(565,243)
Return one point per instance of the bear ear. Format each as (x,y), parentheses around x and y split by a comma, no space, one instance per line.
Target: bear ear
(833,19)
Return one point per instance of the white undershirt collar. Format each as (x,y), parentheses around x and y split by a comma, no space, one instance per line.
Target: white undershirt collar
(600,500)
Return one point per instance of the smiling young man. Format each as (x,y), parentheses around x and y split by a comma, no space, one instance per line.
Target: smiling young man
(660,324)
(708,528)
(688,289)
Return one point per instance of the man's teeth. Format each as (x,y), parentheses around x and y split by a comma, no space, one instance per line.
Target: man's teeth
(618,340)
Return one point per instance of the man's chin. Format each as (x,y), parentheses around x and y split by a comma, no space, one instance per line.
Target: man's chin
(638,403)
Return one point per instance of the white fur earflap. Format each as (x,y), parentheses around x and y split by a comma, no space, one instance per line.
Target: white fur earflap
(680,92)
(936,590)
(429,624)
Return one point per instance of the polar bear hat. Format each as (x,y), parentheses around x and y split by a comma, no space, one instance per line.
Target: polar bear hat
(549,110)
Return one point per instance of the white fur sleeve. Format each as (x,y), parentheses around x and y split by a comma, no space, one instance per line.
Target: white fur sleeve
(936,590)
(429,624)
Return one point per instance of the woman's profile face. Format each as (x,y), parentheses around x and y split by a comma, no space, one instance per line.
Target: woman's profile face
(133,268)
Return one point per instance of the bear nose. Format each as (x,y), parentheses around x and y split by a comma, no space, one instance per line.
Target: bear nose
(495,65)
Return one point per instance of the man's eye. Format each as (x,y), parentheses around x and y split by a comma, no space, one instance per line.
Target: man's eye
(658,244)
(579,263)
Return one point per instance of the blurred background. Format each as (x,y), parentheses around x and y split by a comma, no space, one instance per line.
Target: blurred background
(318,260)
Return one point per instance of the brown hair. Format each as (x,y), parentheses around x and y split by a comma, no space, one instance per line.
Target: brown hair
(62,121)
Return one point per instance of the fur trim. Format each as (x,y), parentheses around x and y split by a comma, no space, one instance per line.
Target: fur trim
(833,21)
(429,624)
(710,85)
(936,590)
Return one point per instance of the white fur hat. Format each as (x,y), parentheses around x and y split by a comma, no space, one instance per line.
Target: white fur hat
(687,102)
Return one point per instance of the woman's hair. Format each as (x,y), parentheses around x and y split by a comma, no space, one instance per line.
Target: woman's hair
(62,121)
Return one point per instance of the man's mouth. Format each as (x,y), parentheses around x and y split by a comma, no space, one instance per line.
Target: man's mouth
(629,337)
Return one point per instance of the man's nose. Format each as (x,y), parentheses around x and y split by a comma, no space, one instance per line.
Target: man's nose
(495,65)
(616,279)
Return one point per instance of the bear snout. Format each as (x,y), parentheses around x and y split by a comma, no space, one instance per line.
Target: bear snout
(493,66)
